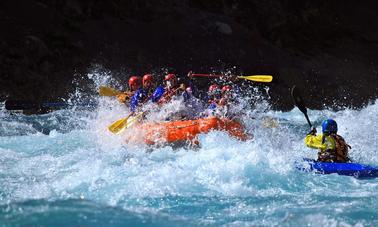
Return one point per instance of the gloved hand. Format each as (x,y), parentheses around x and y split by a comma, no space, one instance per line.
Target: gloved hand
(312,132)
(182,87)
(233,78)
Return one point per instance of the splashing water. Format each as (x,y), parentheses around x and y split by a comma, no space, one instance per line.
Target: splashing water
(65,168)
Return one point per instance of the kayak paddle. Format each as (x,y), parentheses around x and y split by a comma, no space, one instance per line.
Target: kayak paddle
(29,105)
(21,105)
(118,126)
(298,101)
(258,78)
(132,120)
(124,123)
(255,78)
(107,91)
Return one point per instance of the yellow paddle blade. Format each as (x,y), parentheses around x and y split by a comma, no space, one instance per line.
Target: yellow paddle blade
(118,126)
(258,78)
(107,91)
(124,123)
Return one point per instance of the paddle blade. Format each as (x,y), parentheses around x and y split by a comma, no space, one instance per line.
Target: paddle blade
(118,126)
(20,105)
(297,99)
(258,78)
(124,123)
(107,91)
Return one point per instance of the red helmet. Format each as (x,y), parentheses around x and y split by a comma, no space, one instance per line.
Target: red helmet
(213,88)
(134,81)
(226,88)
(170,76)
(147,77)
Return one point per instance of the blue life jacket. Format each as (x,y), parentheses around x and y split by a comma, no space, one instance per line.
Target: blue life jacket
(138,97)
(158,93)
(187,96)
(212,106)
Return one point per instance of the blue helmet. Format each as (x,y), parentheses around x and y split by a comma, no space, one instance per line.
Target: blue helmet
(329,126)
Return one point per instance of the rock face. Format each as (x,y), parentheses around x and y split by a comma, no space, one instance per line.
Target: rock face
(329,49)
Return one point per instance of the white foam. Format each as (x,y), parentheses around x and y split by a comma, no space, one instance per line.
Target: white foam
(92,163)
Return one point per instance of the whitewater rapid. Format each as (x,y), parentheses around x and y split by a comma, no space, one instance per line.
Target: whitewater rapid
(65,168)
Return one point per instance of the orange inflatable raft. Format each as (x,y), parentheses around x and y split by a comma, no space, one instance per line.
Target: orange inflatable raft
(181,131)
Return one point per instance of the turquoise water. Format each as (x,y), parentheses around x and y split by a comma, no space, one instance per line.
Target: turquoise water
(65,169)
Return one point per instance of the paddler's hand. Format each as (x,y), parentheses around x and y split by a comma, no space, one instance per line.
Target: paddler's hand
(190,74)
(233,78)
(123,97)
(182,87)
(312,132)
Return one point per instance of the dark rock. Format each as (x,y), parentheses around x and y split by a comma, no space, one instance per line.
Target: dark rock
(330,49)
(223,28)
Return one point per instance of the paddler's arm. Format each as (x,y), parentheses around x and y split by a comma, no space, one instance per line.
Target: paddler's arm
(191,84)
(315,141)
(168,94)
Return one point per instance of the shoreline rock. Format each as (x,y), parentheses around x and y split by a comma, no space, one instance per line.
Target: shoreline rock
(328,49)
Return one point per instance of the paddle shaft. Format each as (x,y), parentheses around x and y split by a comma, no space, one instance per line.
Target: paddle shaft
(207,75)
(308,120)
(169,95)
(254,78)
(27,105)
(298,101)
(118,126)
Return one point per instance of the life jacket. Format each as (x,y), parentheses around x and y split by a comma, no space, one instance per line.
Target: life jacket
(218,107)
(342,149)
(338,154)
(217,103)
(138,98)
(212,103)
(157,94)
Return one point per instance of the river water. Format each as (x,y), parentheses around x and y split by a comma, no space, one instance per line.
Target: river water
(65,169)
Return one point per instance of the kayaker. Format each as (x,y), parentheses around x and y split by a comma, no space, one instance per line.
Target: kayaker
(134,85)
(333,147)
(165,94)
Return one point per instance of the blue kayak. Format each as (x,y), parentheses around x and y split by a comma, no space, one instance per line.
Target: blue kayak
(348,169)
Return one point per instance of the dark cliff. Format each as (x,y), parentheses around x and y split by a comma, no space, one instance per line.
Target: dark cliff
(329,48)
